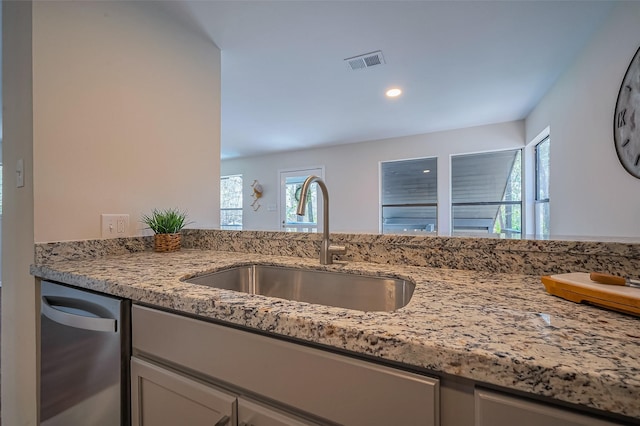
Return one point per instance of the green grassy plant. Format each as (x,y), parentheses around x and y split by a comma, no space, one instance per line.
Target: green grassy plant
(169,221)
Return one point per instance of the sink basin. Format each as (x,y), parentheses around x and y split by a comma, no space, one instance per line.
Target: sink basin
(343,290)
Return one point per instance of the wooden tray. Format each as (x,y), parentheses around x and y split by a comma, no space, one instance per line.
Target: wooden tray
(578,287)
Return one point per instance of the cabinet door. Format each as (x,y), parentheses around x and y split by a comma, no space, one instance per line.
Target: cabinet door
(162,397)
(495,409)
(252,413)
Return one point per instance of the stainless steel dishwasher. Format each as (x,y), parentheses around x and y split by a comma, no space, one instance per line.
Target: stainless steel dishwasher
(84,358)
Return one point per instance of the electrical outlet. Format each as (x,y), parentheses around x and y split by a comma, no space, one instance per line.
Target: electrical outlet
(114,225)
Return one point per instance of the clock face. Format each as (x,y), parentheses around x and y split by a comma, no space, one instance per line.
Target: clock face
(626,121)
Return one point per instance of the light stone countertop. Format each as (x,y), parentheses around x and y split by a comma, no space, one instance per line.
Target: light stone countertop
(502,329)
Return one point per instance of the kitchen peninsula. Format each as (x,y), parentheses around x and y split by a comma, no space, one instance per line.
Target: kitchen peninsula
(479,312)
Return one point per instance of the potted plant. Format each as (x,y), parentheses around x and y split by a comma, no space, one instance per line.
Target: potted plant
(166,224)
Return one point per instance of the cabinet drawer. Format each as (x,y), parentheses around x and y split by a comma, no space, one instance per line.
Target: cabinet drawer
(338,388)
(496,409)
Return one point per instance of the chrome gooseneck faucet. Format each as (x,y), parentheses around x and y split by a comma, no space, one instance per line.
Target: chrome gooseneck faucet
(327,250)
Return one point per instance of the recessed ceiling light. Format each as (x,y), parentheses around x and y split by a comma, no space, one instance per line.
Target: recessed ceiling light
(426,171)
(392,93)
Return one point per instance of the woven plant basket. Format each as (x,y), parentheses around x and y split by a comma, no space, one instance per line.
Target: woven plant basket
(167,242)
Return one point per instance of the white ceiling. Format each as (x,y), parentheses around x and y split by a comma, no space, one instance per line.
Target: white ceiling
(460,63)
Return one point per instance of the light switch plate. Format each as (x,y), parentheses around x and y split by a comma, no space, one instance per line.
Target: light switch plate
(114,225)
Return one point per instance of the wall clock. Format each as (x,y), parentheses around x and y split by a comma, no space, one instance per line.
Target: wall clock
(626,120)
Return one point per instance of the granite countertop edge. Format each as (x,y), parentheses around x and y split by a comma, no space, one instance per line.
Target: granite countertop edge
(501,329)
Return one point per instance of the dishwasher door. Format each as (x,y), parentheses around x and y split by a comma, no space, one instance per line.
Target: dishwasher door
(84,358)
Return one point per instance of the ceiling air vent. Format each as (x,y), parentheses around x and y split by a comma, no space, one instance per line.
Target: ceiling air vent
(365,61)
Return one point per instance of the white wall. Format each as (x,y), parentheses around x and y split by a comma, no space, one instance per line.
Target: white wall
(590,192)
(352,173)
(19,380)
(126,117)
(117,93)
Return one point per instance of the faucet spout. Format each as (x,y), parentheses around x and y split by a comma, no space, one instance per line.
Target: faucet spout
(327,250)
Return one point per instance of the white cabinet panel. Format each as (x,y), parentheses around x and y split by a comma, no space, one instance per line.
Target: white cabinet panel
(495,409)
(252,413)
(161,397)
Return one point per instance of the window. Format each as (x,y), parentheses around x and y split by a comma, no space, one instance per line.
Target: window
(486,194)
(231,202)
(542,188)
(409,196)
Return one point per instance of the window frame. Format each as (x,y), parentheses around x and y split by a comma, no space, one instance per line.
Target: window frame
(0,188)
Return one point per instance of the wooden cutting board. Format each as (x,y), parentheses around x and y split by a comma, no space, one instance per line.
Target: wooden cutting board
(578,287)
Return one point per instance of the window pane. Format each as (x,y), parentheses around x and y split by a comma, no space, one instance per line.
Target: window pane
(492,176)
(231,202)
(231,192)
(413,220)
(542,218)
(486,192)
(542,188)
(231,219)
(492,219)
(508,220)
(542,170)
(293,188)
(410,181)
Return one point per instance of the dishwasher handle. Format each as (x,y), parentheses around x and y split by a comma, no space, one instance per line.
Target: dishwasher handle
(77,321)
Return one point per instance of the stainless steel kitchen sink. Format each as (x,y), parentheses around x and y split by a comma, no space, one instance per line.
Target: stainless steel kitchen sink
(344,290)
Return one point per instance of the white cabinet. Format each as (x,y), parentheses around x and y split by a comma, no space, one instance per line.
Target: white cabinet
(317,383)
(496,409)
(274,382)
(162,397)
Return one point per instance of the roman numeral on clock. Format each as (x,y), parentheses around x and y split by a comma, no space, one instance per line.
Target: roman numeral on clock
(622,118)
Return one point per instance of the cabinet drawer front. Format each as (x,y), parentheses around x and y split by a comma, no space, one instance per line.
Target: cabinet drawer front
(338,388)
(496,409)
